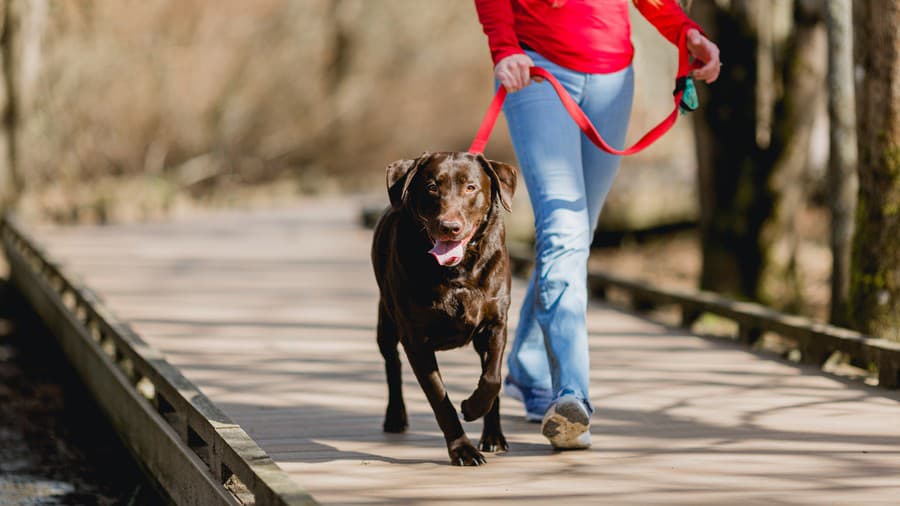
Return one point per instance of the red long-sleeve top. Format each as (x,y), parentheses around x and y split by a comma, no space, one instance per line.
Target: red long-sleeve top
(592,36)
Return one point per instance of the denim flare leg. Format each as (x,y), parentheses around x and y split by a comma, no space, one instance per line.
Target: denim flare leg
(568,179)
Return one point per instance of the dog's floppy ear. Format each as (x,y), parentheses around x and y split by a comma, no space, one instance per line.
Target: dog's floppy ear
(399,175)
(503,179)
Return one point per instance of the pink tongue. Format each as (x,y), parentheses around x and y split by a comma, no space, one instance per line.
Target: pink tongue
(448,252)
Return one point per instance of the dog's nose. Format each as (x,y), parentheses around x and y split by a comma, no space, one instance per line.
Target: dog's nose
(450,227)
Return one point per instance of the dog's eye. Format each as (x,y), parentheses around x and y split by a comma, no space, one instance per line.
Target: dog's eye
(431,187)
(470,188)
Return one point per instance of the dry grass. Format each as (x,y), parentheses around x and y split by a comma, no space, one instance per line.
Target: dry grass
(167,101)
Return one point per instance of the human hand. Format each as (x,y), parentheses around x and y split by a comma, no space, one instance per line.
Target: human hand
(513,72)
(706,51)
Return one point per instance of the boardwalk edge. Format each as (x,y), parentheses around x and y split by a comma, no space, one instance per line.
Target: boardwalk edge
(195,453)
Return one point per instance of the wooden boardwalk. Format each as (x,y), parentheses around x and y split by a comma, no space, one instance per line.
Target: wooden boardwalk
(272,314)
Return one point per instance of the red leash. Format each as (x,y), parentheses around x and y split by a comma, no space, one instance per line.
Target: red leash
(684,69)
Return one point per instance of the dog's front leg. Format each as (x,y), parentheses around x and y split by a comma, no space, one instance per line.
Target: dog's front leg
(492,438)
(424,365)
(489,344)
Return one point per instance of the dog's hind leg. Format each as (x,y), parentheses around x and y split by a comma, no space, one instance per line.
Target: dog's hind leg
(395,416)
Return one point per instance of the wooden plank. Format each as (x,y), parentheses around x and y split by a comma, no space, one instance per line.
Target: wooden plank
(271,314)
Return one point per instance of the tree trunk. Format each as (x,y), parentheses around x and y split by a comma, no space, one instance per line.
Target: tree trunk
(841,178)
(734,198)
(793,117)
(9,185)
(752,133)
(875,267)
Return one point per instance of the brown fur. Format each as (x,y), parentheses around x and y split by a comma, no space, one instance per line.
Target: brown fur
(428,307)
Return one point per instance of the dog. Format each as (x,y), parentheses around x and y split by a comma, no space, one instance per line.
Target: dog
(440,260)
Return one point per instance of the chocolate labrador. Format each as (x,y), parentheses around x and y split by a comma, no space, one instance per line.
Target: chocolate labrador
(442,268)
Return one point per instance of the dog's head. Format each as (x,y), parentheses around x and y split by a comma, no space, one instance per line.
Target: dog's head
(451,195)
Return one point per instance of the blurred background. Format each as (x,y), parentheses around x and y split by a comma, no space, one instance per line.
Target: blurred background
(783,188)
(118,111)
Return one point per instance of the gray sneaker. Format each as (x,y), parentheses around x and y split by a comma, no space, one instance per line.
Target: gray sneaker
(567,424)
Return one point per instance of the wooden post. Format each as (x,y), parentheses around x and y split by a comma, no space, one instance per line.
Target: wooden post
(748,334)
(889,376)
(689,316)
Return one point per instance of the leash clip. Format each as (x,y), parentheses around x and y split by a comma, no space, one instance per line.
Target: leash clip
(689,100)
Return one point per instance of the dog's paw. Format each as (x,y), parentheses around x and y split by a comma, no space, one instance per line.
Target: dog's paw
(395,421)
(466,455)
(493,443)
(395,426)
(471,410)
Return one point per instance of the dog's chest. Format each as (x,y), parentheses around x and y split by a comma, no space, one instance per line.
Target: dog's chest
(461,304)
(453,317)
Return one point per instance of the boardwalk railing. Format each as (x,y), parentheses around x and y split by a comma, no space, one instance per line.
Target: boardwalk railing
(816,341)
(195,453)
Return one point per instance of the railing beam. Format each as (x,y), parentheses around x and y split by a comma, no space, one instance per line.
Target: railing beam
(177,433)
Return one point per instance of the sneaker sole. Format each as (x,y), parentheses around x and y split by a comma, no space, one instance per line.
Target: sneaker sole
(567,427)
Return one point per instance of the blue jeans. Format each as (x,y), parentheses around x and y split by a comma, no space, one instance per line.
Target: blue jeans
(568,179)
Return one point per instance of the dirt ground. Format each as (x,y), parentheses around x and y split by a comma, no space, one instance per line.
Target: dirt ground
(55,446)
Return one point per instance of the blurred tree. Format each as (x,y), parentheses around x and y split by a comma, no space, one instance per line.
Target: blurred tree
(841,177)
(752,133)
(23,27)
(875,267)
(9,186)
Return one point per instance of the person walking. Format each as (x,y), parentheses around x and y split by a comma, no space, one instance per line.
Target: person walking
(586,45)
